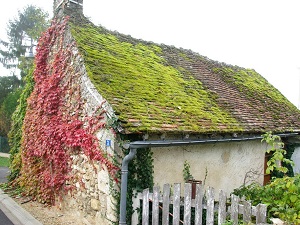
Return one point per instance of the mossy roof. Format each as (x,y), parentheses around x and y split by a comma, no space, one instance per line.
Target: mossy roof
(158,88)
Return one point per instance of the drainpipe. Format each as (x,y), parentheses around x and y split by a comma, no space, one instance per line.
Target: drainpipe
(124,178)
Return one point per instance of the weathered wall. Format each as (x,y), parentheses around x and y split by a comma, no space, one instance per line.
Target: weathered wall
(296,159)
(227,163)
(91,199)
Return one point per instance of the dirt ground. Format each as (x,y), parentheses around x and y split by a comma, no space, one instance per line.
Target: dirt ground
(48,215)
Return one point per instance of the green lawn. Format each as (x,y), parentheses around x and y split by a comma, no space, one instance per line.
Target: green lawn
(4,161)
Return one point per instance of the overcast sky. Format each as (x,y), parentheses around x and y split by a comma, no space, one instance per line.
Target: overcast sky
(263,35)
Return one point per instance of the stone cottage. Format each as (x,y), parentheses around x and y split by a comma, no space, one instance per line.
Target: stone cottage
(97,91)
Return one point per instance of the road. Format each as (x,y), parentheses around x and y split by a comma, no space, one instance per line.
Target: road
(4,171)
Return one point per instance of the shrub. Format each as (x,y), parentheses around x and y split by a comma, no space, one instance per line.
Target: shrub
(281,196)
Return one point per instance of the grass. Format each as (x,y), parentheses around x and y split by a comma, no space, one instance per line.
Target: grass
(4,162)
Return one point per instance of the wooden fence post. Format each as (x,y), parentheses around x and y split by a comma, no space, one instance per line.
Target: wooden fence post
(166,204)
(234,209)
(247,211)
(135,205)
(210,206)
(222,208)
(145,214)
(187,203)
(176,204)
(198,204)
(261,213)
(155,206)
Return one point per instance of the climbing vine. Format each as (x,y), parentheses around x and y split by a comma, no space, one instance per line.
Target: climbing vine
(54,126)
(15,133)
(140,176)
(278,154)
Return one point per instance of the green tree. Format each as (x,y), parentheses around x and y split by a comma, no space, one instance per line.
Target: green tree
(7,108)
(23,33)
(7,85)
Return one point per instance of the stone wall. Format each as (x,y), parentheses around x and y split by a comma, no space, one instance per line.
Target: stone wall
(90,199)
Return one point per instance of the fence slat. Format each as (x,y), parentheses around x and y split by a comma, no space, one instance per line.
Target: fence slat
(247,211)
(166,203)
(222,208)
(155,206)
(136,205)
(176,204)
(261,212)
(187,203)
(145,214)
(198,204)
(234,209)
(210,206)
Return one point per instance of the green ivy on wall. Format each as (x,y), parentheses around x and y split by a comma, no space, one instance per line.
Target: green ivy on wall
(15,134)
(140,176)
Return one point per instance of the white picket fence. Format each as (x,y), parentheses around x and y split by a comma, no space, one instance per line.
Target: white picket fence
(161,205)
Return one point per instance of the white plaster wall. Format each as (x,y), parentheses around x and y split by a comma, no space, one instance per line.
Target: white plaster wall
(226,163)
(296,159)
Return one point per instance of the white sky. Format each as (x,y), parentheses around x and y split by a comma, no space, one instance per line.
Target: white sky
(259,34)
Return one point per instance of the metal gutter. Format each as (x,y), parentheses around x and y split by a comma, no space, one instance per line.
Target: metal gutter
(133,146)
(167,143)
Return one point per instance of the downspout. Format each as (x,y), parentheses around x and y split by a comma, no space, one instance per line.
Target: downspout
(124,181)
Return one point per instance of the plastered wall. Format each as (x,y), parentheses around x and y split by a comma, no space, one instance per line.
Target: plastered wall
(227,164)
(296,159)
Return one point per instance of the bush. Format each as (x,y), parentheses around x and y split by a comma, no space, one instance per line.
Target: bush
(281,196)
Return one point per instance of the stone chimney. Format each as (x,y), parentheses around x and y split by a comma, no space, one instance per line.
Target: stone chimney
(60,5)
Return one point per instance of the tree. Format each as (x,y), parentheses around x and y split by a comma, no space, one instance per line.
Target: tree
(23,33)
(7,85)
(6,110)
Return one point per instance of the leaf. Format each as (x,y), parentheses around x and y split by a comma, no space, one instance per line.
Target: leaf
(293,198)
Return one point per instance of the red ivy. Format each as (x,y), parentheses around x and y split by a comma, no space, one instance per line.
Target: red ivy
(53,130)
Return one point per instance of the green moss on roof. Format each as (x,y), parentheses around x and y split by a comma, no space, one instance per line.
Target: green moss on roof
(252,84)
(146,93)
(157,88)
